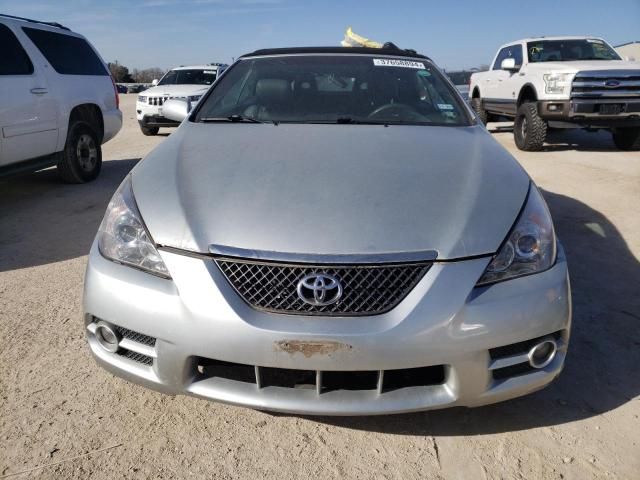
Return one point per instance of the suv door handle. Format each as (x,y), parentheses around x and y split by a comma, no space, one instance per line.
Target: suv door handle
(39,91)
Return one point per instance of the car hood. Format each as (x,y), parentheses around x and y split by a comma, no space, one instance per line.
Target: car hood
(585,65)
(330,189)
(176,90)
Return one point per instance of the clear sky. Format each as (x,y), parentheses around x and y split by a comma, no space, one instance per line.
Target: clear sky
(455,33)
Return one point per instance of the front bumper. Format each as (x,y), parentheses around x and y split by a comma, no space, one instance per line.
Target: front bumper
(444,321)
(151,116)
(592,112)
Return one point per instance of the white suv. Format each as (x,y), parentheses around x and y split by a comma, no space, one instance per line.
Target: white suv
(560,82)
(58,103)
(187,83)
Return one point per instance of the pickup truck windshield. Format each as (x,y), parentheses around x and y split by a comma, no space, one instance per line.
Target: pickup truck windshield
(343,89)
(188,77)
(570,50)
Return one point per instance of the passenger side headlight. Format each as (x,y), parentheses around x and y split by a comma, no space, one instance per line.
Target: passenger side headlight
(557,83)
(529,248)
(142,98)
(123,237)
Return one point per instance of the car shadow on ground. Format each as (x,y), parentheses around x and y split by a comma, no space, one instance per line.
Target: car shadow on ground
(602,371)
(43,220)
(563,139)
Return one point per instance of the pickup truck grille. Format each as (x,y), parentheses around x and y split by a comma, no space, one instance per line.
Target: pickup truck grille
(606,84)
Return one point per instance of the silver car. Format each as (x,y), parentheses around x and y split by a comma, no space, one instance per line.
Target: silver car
(330,231)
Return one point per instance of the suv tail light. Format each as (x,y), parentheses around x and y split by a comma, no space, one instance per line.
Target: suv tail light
(115,91)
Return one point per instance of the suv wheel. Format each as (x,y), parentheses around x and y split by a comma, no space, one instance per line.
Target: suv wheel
(627,138)
(149,131)
(482,114)
(82,155)
(529,130)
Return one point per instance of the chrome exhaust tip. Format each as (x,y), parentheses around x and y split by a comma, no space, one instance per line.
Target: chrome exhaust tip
(107,337)
(543,353)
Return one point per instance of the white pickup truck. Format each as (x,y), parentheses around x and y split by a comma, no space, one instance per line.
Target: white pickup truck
(560,82)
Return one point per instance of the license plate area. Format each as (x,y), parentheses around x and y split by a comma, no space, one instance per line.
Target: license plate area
(611,108)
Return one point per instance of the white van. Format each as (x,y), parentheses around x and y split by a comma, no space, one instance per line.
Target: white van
(58,103)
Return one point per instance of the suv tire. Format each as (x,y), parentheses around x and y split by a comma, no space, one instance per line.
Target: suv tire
(149,131)
(81,159)
(627,138)
(483,115)
(529,130)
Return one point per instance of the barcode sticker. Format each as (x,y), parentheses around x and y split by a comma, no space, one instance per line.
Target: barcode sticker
(388,62)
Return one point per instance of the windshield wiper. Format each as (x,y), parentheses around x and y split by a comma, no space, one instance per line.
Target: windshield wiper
(231,118)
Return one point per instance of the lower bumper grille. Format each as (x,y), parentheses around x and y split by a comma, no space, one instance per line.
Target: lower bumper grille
(136,337)
(134,346)
(512,360)
(367,289)
(136,357)
(322,381)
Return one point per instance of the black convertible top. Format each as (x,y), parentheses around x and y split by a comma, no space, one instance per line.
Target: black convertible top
(386,50)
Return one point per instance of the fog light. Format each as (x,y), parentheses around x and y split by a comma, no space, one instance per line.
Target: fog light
(107,337)
(542,354)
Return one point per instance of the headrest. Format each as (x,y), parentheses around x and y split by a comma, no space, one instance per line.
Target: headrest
(273,90)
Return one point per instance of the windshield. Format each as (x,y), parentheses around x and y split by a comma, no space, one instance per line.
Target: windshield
(334,89)
(189,77)
(570,50)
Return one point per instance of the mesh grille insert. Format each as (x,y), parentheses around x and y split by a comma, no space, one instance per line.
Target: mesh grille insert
(367,289)
(136,357)
(136,337)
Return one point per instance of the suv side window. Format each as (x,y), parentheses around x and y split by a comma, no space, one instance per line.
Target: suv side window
(67,54)
(13,59)
(512,51)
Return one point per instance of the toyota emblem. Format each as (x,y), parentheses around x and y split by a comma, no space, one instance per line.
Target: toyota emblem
(319,289)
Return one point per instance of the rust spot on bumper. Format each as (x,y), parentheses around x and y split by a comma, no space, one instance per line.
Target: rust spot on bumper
(310,348)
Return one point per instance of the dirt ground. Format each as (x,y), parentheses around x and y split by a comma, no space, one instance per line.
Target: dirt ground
(63,417)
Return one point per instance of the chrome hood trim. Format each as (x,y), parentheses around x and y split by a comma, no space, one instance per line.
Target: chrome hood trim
(320,259)
(364,190)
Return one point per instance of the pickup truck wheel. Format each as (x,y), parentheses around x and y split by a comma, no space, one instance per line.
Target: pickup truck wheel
(529,130)
(627,138)
(476,103)
(149,131)
(81,158)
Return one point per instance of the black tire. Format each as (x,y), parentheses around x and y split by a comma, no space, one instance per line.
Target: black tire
(483,115)
(149,131)
(529,130)
(627,138)
(81,158)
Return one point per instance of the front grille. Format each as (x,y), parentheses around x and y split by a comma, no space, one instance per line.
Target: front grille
(158,101)
(367,289)
(608,84)
(381,381)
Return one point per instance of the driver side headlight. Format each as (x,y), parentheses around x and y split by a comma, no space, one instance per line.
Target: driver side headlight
(557,83)
(529,248)
(123,237)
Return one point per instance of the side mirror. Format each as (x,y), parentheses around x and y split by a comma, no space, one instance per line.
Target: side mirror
(509,64)
(630,59)
(175,109)
(154,82)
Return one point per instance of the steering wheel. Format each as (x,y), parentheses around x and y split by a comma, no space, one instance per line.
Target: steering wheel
(394,109)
